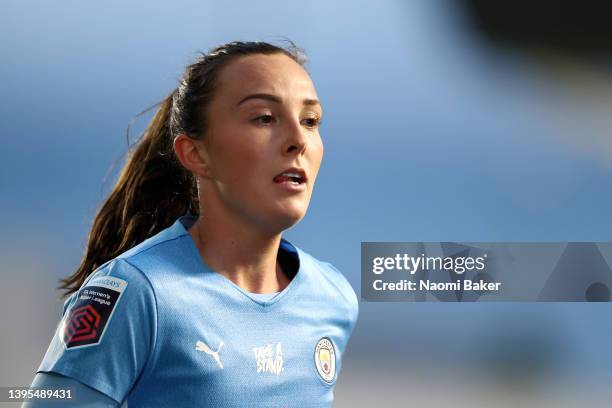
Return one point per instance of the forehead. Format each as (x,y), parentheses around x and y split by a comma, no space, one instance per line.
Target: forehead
(277,74)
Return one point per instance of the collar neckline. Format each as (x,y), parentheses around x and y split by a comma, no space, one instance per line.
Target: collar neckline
(286,249)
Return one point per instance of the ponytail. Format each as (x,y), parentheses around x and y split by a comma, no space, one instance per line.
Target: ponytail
(153,190)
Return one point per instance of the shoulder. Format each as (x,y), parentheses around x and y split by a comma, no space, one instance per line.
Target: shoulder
(166,255)
(328,275)
(117,270)
(159,246)
(120,279)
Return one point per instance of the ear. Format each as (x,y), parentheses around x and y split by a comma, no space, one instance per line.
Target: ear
(193,155)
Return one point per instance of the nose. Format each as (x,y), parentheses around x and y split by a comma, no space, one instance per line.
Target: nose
(296,141)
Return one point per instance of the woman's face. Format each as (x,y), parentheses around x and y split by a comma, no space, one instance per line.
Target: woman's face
(263,121)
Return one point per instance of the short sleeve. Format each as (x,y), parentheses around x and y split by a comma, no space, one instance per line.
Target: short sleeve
(107,331)
(81,394)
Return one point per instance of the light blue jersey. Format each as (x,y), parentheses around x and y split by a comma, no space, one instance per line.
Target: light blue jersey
(156,327)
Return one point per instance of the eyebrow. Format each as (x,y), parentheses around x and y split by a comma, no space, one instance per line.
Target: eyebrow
(276,99)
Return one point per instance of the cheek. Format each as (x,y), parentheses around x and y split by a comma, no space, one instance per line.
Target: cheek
(240,166)
(317,155)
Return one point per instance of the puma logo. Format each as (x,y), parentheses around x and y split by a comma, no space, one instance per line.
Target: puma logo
(201,346)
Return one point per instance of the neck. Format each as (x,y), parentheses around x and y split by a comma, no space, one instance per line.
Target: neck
(243,255)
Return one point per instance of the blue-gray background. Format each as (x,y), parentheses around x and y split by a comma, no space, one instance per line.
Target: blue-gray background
(430,135)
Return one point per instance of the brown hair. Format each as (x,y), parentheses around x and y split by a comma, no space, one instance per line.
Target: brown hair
(153,188)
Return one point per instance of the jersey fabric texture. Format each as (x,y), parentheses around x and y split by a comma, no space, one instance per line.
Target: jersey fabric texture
(83,396)
(157,327)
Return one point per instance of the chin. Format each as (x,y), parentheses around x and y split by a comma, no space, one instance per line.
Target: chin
(285,219)
(283,215)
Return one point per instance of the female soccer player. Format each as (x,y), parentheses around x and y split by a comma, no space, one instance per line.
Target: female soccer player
(187,294)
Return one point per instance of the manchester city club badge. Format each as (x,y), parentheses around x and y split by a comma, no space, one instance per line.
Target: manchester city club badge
(325,359)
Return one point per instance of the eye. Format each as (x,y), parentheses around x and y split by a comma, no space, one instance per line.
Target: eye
(311,123)
(264,119)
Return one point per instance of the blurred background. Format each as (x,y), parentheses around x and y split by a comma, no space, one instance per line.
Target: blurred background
(460,120)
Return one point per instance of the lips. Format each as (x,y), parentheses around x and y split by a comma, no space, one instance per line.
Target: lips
(293,175)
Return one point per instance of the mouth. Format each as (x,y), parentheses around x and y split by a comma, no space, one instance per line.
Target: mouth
(294,176)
